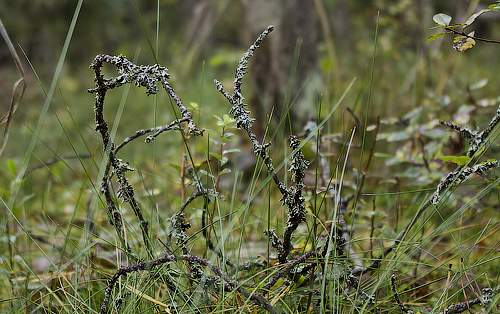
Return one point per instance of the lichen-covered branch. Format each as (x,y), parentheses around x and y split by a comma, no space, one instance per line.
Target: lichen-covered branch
(129,269)
(476,141)
(294,201)
(177,225)
(460,175)
(284,271)
(291,197)
(486,300)
(141,76)
(174,125)
(464,131)
(242,115)
(192,259)
(274,239)
(396,296)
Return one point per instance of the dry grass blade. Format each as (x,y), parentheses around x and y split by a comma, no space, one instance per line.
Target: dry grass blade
(14,101)
(147,297)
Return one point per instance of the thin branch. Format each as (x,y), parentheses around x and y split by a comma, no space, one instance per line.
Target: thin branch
(150,265)
(396,296)
(55,160)
(284,271)
(462,33)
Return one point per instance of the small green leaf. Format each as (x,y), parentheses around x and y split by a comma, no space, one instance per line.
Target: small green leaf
(348,218)
(453,26)
(199,163)
(479,152)
(224,161)
(204,172)
(463,114)
(15,211)
(215,142)
(374,214)
(456,25)
(462,160)
(439,26)
(442,19)
(228,119)
(232,150)
(175,166)
(396,136)
(10,239)
(437,36)
(388,232)
(487,102)
(216,156)
(225,170)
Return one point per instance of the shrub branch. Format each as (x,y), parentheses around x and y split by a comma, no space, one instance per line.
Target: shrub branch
(141,76)
(291,197)
(150,265)
(476,141)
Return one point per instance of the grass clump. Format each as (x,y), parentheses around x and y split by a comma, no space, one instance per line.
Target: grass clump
(328,251)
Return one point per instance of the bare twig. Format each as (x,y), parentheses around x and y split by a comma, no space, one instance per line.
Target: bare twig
(462,33)
(53,161)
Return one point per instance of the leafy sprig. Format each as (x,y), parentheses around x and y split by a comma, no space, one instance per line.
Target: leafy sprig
(464,41)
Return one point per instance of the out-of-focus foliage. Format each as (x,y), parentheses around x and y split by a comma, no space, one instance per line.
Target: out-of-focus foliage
(409,71)
(415,84)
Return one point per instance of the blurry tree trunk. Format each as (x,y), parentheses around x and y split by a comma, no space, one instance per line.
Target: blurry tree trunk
(203,19)
(270,68)
(341,23)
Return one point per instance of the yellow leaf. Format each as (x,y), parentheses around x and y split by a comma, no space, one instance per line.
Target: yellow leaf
(462,43)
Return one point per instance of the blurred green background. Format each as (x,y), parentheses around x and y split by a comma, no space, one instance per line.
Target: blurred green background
(415,83)
(195,37)
(201,40)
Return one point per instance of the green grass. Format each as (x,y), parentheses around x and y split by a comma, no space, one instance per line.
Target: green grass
(59,250)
